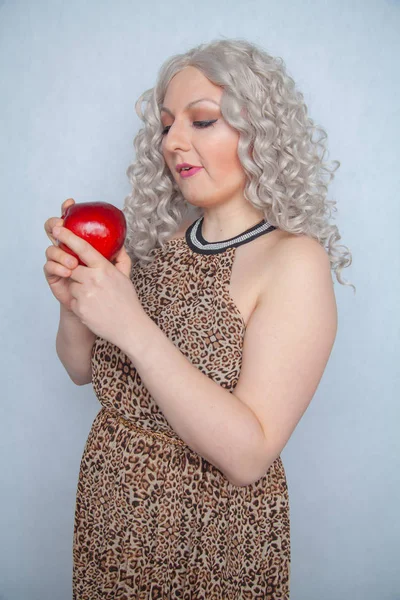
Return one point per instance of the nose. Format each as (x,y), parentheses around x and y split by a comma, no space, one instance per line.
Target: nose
(177,138)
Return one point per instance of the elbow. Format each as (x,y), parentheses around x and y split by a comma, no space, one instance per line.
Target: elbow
(246,479)
(81,380)
(239,477)
(79,377)
(256,468)
(237,482)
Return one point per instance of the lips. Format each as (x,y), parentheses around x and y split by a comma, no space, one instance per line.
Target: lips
(192,171)
(181,166)
(187,170)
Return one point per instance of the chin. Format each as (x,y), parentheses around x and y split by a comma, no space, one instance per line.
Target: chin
(200,204)
(193,200)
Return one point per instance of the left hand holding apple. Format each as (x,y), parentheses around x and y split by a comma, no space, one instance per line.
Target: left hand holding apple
(104,297)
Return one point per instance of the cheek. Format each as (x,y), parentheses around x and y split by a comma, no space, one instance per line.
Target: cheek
(229,164)
(166,156)
(228,161)
(224,152)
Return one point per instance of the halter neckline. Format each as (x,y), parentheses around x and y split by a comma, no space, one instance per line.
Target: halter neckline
(197,243)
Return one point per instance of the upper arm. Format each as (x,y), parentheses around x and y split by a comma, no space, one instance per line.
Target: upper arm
(288,340)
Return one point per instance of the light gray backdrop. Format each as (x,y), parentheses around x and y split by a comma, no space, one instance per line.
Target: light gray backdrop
(70,73)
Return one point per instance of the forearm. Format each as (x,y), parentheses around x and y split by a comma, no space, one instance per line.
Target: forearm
(212,421)
(74,346)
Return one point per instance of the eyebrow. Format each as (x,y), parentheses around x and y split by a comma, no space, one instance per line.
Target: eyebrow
(165,109)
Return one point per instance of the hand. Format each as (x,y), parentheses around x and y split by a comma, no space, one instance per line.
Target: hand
(103,296)
(59,264)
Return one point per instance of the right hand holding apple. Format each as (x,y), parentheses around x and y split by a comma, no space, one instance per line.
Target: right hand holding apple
(59,264)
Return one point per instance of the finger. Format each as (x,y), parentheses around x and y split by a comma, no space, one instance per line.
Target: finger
(88,255)
(123,262)
(79,274)
(53,269)
(55,254)
(66,204)
(75,289)
(49,226)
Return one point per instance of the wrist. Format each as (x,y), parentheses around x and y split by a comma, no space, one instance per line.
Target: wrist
(65,313)
(70,320)
(136,337)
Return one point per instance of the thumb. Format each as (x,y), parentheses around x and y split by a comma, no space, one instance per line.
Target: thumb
(123,262)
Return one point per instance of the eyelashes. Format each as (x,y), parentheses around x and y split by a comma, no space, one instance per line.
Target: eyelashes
(197,124)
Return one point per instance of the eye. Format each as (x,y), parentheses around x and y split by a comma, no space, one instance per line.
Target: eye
(197,124)
(203,124)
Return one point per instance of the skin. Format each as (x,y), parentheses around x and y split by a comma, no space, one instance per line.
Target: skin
(288,337)
(218,188)
(59,264)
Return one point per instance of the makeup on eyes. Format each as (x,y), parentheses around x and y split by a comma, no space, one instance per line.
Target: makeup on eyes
(194,113)
(196,125)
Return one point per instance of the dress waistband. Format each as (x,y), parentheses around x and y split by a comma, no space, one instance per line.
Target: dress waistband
(154,434)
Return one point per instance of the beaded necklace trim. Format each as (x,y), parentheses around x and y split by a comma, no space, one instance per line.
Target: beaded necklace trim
(197,243)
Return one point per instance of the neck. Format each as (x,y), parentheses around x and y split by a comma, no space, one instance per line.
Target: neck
(224,225)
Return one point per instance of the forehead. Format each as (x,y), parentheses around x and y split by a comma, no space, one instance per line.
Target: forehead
(188,85)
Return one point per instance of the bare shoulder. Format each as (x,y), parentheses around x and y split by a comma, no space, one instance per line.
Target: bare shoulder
(290,246)
(298,277)
(295,257)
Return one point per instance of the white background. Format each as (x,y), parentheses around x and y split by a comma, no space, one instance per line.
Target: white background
(70,74)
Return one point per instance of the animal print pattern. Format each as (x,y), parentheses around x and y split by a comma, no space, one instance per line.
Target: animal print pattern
(154,520)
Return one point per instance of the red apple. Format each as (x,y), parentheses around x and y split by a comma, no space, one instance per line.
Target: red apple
(101,224)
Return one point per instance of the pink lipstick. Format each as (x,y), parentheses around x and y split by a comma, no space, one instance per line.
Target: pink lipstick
(190,172)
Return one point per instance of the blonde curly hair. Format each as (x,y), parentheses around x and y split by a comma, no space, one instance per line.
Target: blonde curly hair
(287,177)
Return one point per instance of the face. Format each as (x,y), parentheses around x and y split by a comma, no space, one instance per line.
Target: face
(199,135)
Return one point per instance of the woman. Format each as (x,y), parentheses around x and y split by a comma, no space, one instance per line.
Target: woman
(206,340)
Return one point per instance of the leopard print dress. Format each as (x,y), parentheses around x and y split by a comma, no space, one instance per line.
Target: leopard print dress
(155,520)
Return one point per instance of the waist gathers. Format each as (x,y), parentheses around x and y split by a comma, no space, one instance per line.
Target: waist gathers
(114,415)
